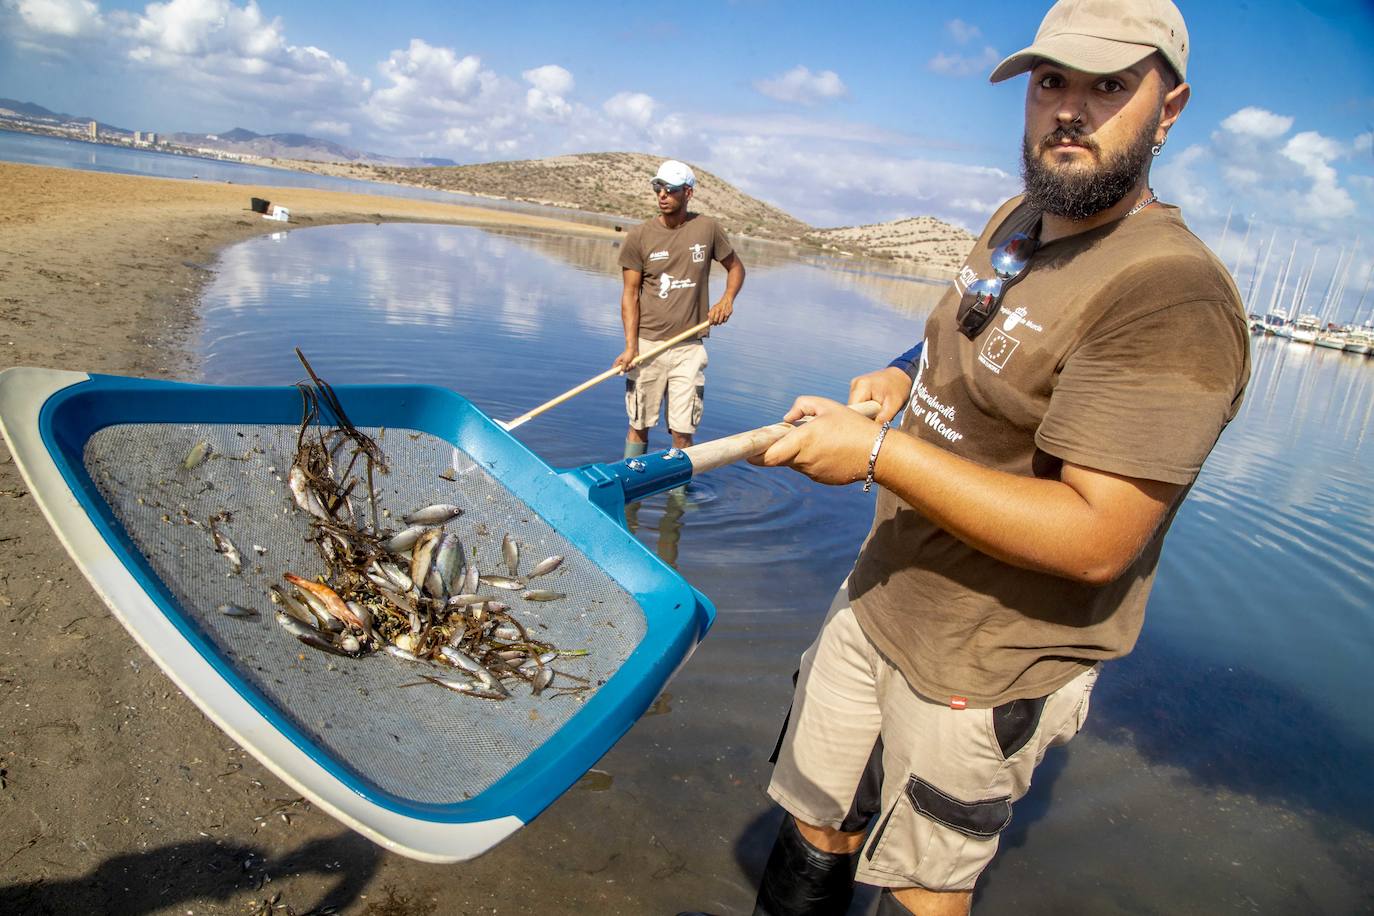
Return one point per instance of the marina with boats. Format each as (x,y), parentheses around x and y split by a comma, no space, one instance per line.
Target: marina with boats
(1293,309)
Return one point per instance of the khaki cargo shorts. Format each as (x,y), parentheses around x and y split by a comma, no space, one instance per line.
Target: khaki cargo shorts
(941,783)
(680,371)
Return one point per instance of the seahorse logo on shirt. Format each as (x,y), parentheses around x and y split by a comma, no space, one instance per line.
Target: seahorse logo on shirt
(666,283)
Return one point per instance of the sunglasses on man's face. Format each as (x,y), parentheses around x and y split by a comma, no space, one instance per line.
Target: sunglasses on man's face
(661,186)
(982,297)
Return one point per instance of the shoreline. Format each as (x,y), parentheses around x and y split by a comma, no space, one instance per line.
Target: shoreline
(118,262)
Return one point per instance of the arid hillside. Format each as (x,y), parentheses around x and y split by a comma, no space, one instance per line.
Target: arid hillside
(918,238)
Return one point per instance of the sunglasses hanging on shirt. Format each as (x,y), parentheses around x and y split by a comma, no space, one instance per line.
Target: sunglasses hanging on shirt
(982,297)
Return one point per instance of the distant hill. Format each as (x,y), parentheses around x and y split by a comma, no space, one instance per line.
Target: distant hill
(39,113)
(245,142)
(918,238)
(614,183)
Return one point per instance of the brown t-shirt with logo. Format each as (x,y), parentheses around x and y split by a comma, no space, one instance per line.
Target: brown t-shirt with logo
(676,264)
(1123,349)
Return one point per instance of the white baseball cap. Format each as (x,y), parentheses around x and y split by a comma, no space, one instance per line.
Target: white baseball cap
(676,174)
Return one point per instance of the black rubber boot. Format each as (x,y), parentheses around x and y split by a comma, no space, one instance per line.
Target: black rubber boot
(801,880)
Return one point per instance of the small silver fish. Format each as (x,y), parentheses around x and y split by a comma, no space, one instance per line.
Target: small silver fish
(472,666)
(405,539)
(467,687)
(505,582)
(308,635)
(542,594)
(198,453)
(402,654)
(304,496)
(471,578)
(541,680)
(363,613)
(463,600)
(510,554)
(433,515)
(546,566)
(236,610)
(448,559)
(291,605)
(226,547)
(422,557)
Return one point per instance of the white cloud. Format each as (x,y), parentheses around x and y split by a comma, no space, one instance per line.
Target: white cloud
(550,78)
(545,97)
(965,64)
(1325,199)
(1364,143)
(634,108)
(799,85)
(67,18)
(1257,123)
(962,32)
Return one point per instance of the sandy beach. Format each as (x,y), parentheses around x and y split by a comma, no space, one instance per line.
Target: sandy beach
(118,795)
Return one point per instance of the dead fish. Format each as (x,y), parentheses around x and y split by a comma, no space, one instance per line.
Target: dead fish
(395,574)
(236,610)
(291,605)
(333,604)
(542,594)
(198,453)
(546,566)
(448,559)
(308,635)
(505,582)
(541,680)
(304,496)
(466,598)
(422,557)
(405,539)
(361,613)
(508,632)
(471,578)
(510,553)
(436,514)
(403,654)
(472,666)
(467,687)
(226,547)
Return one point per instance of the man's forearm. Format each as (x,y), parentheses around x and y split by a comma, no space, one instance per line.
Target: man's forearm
(629,317)
(1045,525)
(734,280)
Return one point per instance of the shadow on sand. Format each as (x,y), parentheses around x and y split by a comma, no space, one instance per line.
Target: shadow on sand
(160,879)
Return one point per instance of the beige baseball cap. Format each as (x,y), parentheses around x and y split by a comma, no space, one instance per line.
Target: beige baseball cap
(1104,36)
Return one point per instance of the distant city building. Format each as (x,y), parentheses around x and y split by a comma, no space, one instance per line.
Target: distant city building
(151,138)
(93,130)
(138,137)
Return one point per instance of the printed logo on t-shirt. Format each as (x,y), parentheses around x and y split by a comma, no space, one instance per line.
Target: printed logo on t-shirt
(658,256)
(1018,317)
(698,253)
(666,282)
(997,349)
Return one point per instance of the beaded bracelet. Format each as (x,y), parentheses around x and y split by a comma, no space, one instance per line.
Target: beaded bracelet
(873,455)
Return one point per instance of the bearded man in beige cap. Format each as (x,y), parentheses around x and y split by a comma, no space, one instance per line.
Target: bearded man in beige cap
(1070,384)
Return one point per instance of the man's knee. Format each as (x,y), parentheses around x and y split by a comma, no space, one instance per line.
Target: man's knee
(828,839)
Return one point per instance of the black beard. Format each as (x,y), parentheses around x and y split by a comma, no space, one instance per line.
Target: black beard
(1074,193)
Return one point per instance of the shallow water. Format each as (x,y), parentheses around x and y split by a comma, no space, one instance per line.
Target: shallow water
(1229,752)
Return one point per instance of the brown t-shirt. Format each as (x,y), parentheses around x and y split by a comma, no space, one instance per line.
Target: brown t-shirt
(1123,349)
(676,264)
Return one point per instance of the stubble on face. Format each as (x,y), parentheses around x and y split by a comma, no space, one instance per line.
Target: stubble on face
(1076,191)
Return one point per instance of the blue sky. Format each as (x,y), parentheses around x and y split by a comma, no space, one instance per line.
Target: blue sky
(839,114)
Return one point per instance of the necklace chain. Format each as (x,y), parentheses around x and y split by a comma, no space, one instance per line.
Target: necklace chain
(1142,205)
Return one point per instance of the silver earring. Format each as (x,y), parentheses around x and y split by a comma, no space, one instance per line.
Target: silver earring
(1158,147)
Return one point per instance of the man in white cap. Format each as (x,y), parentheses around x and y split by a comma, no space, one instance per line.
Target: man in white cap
(666,266)
(1070,384)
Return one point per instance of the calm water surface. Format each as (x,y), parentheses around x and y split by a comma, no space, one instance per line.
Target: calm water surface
(1225,766)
